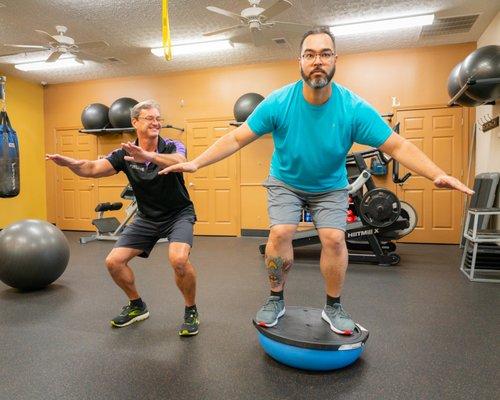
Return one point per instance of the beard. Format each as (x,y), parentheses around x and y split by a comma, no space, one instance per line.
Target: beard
(318,83)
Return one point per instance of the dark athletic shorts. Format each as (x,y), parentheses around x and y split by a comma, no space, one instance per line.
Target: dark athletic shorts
(142,233)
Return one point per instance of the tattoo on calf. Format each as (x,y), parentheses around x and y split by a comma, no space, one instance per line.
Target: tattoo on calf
(277,267)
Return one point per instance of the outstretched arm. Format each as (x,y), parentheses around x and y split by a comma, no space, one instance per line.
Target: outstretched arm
(414,159)
(222,148)
(85,168)
(138,154)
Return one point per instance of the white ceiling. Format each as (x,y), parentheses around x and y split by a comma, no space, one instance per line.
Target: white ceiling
(131,27)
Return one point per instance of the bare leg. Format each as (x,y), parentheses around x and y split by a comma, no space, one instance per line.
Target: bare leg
(334,259)
(185,274)
(117,263)
(279,255)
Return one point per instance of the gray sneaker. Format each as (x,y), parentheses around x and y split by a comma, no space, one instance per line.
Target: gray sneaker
(270,312)
(340,321)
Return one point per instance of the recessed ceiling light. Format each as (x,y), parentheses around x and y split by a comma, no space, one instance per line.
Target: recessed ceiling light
(195,48)
(382,25)
(42,65)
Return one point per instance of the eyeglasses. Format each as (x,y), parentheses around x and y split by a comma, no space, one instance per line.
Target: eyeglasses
(151,119)
(325,56)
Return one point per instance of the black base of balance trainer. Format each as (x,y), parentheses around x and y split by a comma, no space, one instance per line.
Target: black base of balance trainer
(302,339)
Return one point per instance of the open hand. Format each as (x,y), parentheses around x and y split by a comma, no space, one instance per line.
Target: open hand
(447,181)
(63,161)
(181,167)
(136,153)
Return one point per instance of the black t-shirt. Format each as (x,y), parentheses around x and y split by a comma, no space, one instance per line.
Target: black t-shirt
(158,196)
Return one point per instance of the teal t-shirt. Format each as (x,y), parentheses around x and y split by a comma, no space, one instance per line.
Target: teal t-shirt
(310,141)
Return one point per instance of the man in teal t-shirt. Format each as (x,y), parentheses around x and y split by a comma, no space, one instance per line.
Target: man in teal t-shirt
(314,123)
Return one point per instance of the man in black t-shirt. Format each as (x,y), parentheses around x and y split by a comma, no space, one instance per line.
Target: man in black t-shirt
(164,210)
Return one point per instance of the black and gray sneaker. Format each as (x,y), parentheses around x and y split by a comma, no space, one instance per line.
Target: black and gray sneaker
(129,315)
(191,324)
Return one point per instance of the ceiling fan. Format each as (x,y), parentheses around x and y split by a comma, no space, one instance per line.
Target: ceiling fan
(60,45)
(258,19)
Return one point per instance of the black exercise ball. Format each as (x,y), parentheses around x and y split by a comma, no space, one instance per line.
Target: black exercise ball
(95,116)
(454,87)
(119,112)
(245,105)
(483,63)
(33,253)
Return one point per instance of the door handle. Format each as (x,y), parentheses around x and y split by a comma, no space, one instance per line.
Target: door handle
(191,184)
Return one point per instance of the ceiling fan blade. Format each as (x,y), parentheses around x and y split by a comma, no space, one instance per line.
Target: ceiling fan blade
(28,46)
(224,30)
(78,60)
(54,56)
(257,37)
(226,13)
(290,26)
(47,36)
(89,57)
(91,45)
(275,9)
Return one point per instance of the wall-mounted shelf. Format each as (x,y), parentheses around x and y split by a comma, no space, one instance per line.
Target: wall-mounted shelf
(471,82)
(105,131)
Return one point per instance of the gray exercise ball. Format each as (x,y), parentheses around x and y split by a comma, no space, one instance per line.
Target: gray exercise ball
(33,254)
(245,105)
(483,63)
(119,112)
(454,87)
(95,116)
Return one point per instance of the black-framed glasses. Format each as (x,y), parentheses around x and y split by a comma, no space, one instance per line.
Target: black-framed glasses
(151,119)
(324,56)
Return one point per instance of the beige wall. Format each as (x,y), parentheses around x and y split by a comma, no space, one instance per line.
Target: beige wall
(488,143)
(415,76)
(25,110)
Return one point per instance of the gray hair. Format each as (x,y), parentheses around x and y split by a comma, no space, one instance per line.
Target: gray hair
(317,31)
(143,105)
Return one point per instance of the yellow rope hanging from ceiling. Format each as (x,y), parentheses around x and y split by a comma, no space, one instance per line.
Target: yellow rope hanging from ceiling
(167,44)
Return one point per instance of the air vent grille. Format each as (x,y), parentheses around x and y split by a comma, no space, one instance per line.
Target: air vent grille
(449,26)
(281,42)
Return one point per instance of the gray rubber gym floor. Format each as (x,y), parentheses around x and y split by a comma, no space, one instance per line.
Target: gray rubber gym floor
(433,334)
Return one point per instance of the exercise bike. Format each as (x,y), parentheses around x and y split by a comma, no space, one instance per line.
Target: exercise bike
(376,218)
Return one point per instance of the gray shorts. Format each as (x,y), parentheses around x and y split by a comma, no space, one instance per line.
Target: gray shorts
(142,234)
(285,204)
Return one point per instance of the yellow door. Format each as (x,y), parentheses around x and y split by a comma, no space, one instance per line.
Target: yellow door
(76,197)
(214,190)
(439,133)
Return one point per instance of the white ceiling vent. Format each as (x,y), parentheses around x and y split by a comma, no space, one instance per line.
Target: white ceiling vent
(281,42)
(449,26)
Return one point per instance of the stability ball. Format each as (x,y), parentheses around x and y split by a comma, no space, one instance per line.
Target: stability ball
(119,112)
(33,253)
(483,63)
(245,105)
(454,87)
(95,116)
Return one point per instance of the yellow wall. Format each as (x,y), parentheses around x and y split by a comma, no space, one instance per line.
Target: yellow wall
(25,110)
(415,76)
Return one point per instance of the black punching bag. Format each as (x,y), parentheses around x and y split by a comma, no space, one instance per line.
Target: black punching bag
(9,158)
